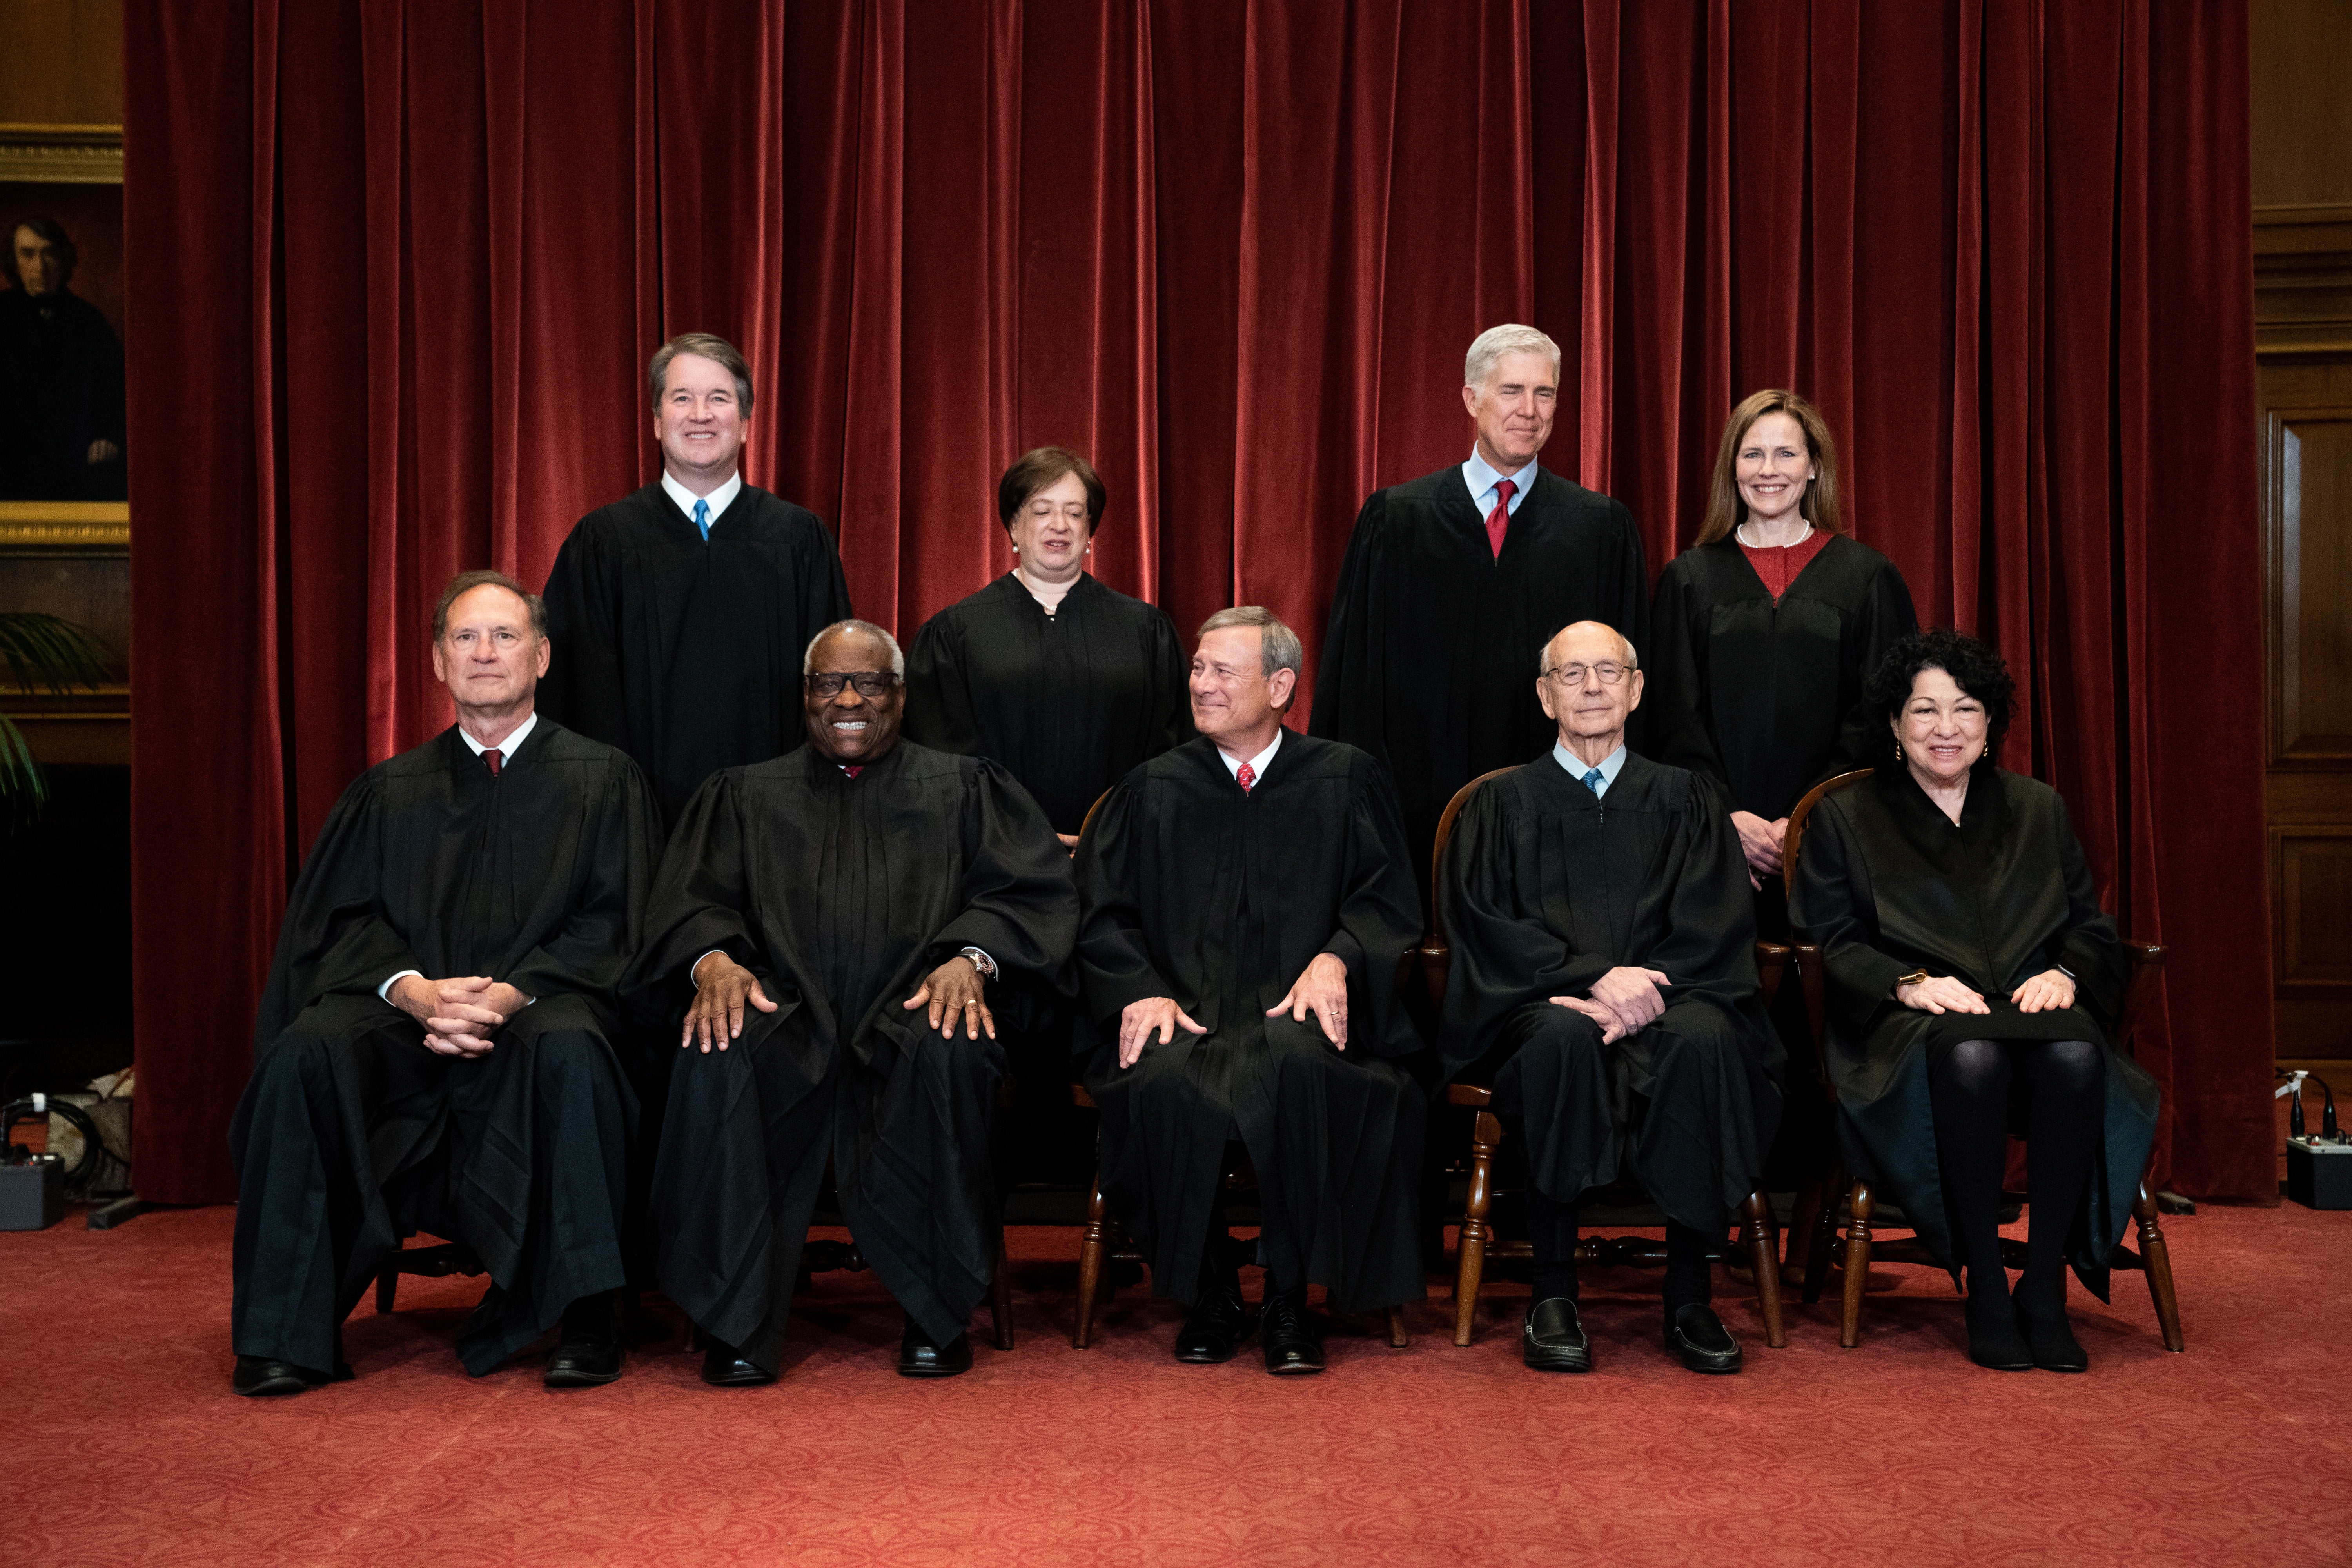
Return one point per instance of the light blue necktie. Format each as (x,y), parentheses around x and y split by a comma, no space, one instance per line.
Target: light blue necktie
(1594,782)
(702,517)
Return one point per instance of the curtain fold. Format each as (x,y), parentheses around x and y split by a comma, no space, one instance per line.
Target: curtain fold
(397,267)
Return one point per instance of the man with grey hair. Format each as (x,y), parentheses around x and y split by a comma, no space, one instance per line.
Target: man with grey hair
(1246,903)
(1451,581)
(822,939)
(674,611)
(1604,981)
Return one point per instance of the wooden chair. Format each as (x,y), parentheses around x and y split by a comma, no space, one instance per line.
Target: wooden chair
(1105,1240)
(1478,1241)
(1861,1246)
(435,1262)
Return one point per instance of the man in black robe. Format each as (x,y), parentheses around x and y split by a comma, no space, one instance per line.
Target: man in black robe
(1604,982)
(435,1045)
(62,388)
(680,613)
(1450,579)
(826,922)
(1233,887)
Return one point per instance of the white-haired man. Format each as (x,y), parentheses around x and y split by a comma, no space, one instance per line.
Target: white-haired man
(1453,581)
(822,934)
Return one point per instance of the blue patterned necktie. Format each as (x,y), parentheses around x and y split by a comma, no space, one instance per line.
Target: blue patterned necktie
(702,517)
(1592,781)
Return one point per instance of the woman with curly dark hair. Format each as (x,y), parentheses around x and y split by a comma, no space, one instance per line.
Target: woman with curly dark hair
(1972,979)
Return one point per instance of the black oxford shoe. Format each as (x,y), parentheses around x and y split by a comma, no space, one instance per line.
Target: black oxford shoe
(1698,1338)
(723,1366)
(260,1377)
(919,1356)
(1215,1327)
(589,1351)
(1286,1329)
(1552,1337)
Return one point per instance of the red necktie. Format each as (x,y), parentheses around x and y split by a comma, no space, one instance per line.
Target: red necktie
(1247,776)
(490,760)
(1498,521)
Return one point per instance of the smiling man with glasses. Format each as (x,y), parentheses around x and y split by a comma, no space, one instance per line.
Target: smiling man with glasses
(824,936)
(1604,982)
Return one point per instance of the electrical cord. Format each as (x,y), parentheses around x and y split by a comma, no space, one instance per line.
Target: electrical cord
(40,1108)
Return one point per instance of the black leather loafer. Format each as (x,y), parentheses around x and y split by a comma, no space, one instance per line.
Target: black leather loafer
(1994,1341)
(919,1357)
(724,1367)
(1292,1348)
(1698,1337)
(1214,1328)
(260,1377)
(1552,1337)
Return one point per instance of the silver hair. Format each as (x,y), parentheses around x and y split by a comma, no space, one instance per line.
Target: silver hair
(1632,659)
(897,659)
(1278,644)
(1507,339)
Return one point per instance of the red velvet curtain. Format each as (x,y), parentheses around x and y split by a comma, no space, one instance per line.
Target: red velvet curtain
(395,269)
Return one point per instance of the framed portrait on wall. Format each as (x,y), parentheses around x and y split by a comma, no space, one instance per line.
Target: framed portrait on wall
(64,459)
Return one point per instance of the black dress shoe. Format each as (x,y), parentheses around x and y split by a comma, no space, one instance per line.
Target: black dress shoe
(262,1377)
(1287,1330)
(723,1366)
(1696,1335)
(1215,1327)
(1993,1338)
(589,1353)
(2050,1340)
(1552,1337)
(919,1357)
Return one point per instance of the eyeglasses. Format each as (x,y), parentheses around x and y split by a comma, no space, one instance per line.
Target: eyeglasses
(1610,673)
(870,684)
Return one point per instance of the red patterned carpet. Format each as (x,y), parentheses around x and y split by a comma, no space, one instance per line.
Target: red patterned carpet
(128,1447)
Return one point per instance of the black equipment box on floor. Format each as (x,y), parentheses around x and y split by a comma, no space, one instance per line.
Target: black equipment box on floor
(31,1195)
(2319,1172)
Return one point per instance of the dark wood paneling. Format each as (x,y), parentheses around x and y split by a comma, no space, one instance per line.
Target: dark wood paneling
(2302,102)
(2307,455)
(61,62)
(2311,871)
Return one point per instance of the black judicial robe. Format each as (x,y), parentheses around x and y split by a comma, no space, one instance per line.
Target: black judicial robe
(352,1134)
(1067,702)
(1196,891)
(1429,663)
(1763,701)
(687,655)
(61,387)
(842,895)
(1888,884)
(1547,888)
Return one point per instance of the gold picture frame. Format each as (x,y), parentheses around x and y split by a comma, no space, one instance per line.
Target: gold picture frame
(76,527)
(61,155)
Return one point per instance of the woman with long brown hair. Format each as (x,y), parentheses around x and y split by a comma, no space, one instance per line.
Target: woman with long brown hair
(1763,632)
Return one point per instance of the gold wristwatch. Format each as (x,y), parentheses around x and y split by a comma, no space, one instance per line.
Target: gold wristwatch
(1913,978)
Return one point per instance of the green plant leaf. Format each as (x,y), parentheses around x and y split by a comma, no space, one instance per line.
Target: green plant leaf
(46,652)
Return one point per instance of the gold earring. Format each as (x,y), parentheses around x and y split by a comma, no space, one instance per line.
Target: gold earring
(1898,750)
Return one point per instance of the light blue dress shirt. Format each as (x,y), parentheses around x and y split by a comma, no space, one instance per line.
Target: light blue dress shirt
(1611,766)
(1481,478)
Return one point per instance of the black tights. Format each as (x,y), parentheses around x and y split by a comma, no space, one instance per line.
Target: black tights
(1552,1232)
(2064,1084)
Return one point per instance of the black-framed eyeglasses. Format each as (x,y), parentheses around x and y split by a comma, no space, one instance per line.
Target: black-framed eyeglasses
(872,684)
(1609,671)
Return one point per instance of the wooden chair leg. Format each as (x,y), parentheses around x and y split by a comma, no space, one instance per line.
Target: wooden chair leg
(999,1299)
(2156,1260)
(1485,1137)
(1398,1338)
(1763,1256)
(1857,1264)
(1823,1244)
(388,1286)
(1092,1250)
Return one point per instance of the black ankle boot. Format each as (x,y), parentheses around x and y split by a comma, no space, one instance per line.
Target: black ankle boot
(2042,1319)
(1993,1338)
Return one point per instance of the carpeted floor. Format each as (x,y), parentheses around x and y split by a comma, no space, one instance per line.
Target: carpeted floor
(128,1447)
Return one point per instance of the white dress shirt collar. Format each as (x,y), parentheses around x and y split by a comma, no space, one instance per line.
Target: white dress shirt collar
(511,745)
(1257,763)
(717,498)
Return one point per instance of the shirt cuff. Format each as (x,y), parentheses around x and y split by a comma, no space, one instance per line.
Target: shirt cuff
(697,965)
(383,992)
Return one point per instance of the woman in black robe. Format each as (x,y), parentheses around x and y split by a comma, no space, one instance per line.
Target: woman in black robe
(1763,632)
(1067,684)
(1972,980)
